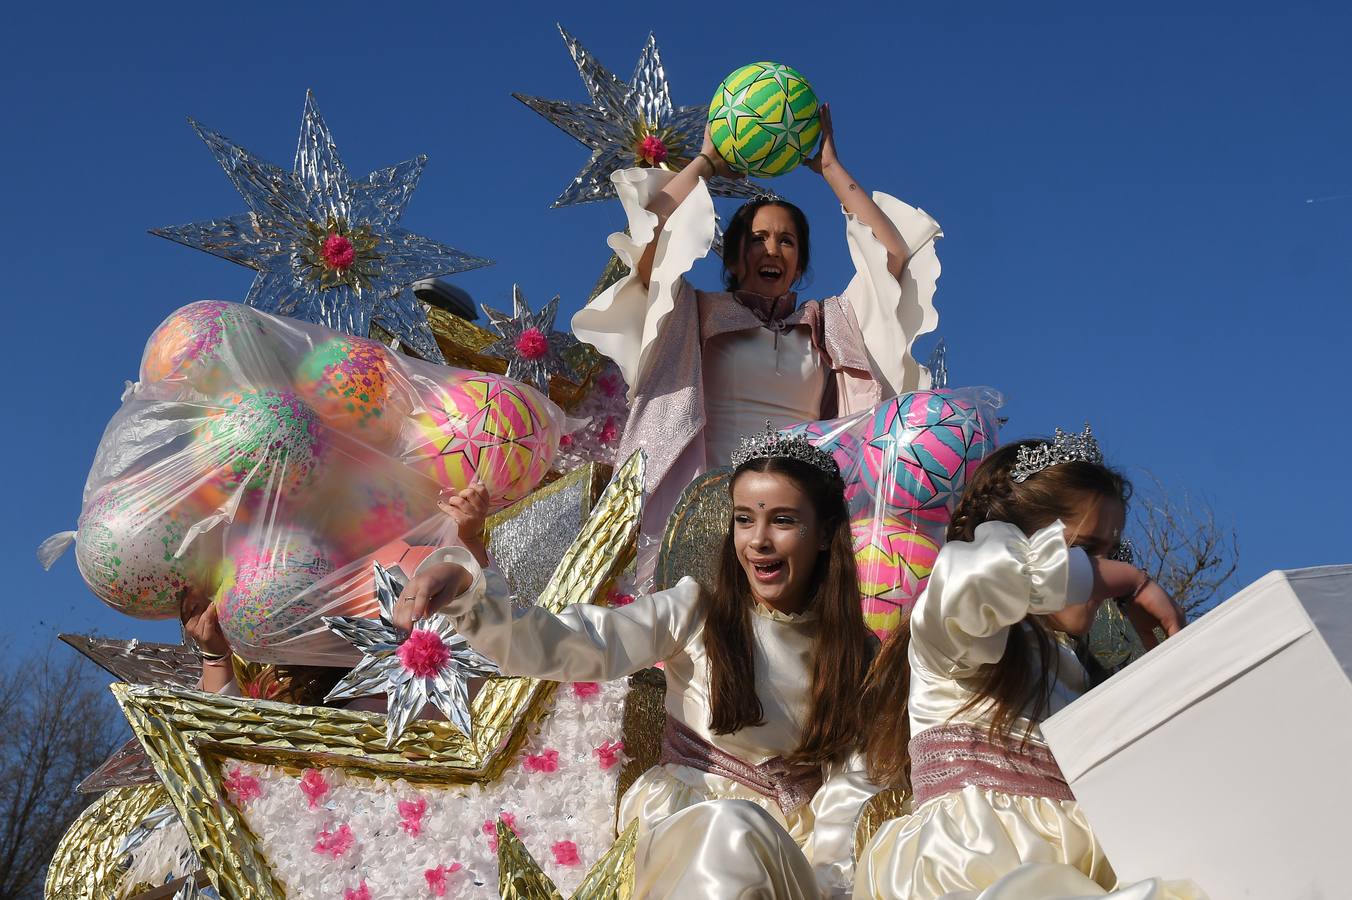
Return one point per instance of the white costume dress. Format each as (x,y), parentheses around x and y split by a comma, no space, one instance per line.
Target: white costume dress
(966,839)
(742,844)
(703,370)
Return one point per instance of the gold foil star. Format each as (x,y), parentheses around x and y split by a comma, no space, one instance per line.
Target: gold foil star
(521,878)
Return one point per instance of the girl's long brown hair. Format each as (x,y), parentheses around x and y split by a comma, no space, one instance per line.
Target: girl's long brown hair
(1020,683)
(844,646)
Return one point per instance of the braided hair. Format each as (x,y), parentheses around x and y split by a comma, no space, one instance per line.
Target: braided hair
(1020,682)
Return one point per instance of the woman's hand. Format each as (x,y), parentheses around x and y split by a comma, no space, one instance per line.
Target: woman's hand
(1152,608)
(469,509)
(826,150)
(720,165)
(428,591)
(202,623)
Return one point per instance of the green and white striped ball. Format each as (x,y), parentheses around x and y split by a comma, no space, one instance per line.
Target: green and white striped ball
(763,119)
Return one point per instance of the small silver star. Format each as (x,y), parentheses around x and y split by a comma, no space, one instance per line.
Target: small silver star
(328,248)
(382,671)
(534,370)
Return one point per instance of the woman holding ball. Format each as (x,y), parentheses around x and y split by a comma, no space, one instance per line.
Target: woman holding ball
(704,367)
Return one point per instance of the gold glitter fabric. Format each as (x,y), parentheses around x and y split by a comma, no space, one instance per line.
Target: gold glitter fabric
(884,805)
(520,877)
(644,715)
(695,531)
(86,862)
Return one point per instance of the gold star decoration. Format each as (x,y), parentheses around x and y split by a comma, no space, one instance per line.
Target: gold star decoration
(521,878)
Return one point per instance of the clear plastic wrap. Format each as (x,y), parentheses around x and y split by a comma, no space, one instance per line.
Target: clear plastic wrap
(266,462)
(905,463)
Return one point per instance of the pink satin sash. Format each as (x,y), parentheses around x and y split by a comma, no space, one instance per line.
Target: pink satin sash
(789,786)
(947,758)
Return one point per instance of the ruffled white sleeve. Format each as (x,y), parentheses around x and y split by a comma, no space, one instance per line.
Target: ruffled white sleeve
(835,810)
(893,312)
(584,642)
(624,321)
(978,589)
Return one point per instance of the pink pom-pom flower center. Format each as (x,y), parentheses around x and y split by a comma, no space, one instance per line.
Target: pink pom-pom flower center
(424,654)
(532,344)
(338,252)
(652,150)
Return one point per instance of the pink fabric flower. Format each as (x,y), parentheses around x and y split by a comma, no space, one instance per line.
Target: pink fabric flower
(436,878)
(548,761)
(565,441)
(314,786)
(565,853)
(360,892)
(242,787)
(609,383)
(334,843)
(618,599)
(652,150)
(338,252)
(411,813)
(610,433)
(424,653)
(585,689)
(490,828)
(532,344)
(609,753)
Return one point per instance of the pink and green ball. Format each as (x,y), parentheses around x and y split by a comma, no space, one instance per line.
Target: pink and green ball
(197,344)
(262,598)
(485,427)
(347,382)
(127,550)
(372,515)
(261,439)
(894,561)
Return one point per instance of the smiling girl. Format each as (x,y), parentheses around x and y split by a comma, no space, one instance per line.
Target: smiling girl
(755,790)
(705,367)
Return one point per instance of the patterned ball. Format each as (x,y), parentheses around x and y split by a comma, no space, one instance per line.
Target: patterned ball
(894,561)
(126,550)
(263,596)
(763,119)
(347,381)
(356,595)
(199,343)
(483,426)
(262,439)
(367,515)
(919,451)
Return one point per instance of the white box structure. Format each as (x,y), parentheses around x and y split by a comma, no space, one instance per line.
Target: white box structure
(1225,754)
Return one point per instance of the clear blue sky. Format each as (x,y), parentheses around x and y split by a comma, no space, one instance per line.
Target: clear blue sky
(1123,194)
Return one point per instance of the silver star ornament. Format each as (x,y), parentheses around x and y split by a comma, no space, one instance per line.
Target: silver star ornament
(327,248)
(531,346)
(624,123)
(408,687)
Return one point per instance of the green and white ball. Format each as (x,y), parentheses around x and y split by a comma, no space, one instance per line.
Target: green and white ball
(763,119)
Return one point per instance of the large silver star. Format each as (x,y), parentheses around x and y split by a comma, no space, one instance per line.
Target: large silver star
(328,249)
(539,354)
(381,669)
(618,119)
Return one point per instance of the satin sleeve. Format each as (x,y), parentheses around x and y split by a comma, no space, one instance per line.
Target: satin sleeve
(625,320)
(893,312)
(835,809)
(582,643)
(980,588)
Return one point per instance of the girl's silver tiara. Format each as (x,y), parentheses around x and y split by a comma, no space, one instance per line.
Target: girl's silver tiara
(1062,448)
(771,443)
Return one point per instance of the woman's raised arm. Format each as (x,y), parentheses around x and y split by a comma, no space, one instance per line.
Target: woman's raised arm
(707,164)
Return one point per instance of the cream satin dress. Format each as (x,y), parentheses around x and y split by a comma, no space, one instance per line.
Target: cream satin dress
(701,835)
(979,843)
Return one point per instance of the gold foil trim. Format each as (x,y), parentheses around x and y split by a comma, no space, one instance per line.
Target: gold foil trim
(645,714)
(694,533)
(86,863)
(884,805)
(520,876)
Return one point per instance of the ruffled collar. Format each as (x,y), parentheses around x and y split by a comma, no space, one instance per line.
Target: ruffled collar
(774,615)
(768,309)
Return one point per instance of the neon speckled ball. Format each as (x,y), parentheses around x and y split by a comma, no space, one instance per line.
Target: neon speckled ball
(894,561)
(262,579)
(920,450)
(126,547)
(262,439)
(347,381)
(763,119)
(199,342)
(486,426)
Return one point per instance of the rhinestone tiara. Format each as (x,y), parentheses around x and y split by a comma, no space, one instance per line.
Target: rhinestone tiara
(771,443)
(1062,448)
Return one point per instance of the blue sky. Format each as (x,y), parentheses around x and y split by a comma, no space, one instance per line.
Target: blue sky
(1124,197)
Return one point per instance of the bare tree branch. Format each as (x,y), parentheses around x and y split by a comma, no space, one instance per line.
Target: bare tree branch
(1182,546)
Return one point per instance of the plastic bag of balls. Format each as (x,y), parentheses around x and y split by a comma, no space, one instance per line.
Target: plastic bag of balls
(905,463)
(263,461)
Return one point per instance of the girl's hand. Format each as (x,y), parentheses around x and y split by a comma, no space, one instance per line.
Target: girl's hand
(826,150)
(721,167)
(427,592)
(1152,608)
(201,623)
(469,509)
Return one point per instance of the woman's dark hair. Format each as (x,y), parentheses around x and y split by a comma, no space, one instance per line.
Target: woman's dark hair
(1021,681)
(739,229)
(844,646)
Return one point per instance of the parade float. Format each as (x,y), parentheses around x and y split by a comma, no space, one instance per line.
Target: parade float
(284,456)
